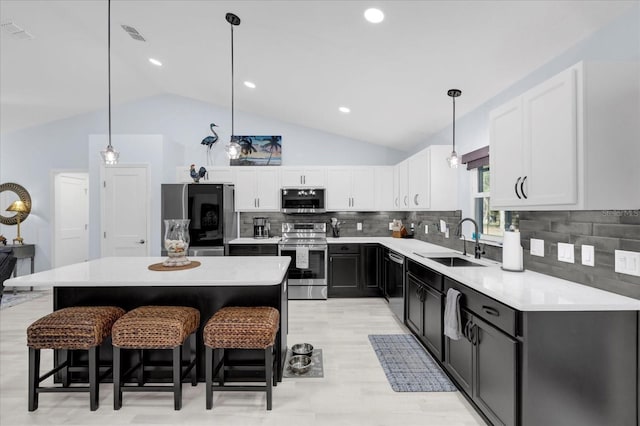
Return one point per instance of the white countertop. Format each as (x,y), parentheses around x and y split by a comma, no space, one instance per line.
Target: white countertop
(270,240)
(525,291)
(133,271)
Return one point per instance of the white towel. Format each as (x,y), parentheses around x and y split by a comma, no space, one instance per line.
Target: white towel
(302,257)
(452,321)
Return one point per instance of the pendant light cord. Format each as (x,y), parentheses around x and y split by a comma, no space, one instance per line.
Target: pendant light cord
(454,124)
(232,85)
(109,63)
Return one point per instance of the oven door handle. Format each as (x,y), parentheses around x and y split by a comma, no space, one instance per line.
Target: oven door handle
(311,248)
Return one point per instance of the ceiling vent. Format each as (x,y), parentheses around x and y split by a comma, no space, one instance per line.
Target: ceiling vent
(135,34)
(15,31)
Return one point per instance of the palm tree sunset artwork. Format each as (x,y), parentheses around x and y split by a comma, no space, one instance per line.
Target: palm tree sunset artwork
(259,151)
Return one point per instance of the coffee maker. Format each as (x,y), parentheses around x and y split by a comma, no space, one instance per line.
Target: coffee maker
(261,227)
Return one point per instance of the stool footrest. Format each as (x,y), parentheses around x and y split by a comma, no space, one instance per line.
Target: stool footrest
(61,389)
(147,388)
(233,388)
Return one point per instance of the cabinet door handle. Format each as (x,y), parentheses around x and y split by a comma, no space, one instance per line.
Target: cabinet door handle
(141,242)
(522,188)
(395,202)
(491,311)
(468,331)
(423,295)
(516,188)
(415,199)
(406,197)
(475,335)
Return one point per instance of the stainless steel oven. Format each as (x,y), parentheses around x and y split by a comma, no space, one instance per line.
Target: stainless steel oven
(306,244)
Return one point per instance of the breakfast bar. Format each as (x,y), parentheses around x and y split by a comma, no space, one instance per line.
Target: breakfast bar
(217,282)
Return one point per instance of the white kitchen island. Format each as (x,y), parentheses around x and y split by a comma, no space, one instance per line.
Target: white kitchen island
(217,282)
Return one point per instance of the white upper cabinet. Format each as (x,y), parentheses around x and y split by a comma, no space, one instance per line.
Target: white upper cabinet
(418,177)
(257,189)
(570,143)
(384,194)
(308,177)
(424,181)
(401,185)
(350,189)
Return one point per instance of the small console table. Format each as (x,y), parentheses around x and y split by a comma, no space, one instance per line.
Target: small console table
(21,251)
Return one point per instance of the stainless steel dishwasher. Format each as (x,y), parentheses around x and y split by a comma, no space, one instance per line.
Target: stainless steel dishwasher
(394,284)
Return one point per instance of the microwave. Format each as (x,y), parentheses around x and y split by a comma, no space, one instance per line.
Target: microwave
(302,200)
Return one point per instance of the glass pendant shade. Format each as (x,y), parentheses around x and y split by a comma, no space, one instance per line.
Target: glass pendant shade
(453,160)
(233,149)
(110,156)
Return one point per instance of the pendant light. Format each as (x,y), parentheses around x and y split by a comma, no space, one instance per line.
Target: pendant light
(234,148)
(453,158)
(109,155)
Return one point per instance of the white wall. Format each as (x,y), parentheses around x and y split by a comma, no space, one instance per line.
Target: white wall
(27,156)
(619,41)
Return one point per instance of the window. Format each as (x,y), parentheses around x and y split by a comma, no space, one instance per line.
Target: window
(491,223)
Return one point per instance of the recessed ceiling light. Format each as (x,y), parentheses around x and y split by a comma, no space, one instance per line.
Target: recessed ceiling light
(344,110)
(375,16)
(250,85)
(155,62)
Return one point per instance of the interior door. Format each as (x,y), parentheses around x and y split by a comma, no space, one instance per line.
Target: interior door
(126,211)
(71,218)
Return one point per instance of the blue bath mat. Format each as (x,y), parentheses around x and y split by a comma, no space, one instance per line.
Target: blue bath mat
(408,366)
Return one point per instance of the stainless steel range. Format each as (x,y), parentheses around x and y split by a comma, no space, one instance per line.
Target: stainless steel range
(306,244)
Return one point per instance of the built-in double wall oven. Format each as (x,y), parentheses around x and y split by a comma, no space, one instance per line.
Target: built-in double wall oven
(306,244)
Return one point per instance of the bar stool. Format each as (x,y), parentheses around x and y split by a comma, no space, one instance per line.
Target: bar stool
(240,328)
(155,327)
(68,329)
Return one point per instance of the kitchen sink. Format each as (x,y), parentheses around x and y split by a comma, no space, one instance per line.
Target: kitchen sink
(452,261)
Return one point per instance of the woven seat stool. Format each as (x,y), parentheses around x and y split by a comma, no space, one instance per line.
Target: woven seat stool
(235,327)
(155,327)
(68,329)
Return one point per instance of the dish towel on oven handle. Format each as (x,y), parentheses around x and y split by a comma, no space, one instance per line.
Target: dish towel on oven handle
(302,257)
(452,321)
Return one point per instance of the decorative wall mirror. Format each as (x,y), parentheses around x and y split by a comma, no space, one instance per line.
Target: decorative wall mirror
(10,192)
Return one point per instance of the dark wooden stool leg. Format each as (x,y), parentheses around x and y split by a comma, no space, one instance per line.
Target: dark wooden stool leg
(117,390)
(274,366)
(192,359)
(177,377)
(34,378)
(141,369)
(268,373)
(93,378)
(208,373)
(65,357)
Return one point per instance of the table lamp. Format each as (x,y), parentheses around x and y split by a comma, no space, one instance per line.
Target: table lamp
(18,207)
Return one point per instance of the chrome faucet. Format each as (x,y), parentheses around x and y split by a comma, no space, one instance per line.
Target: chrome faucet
(478,252)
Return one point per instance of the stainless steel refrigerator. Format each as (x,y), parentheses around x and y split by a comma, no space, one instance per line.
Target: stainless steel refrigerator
(210,207)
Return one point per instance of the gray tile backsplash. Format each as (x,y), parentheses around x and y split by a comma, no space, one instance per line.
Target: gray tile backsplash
(606,230)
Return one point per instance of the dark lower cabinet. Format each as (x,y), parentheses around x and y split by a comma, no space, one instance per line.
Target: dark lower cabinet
(424,307)
(458,359)
(495,367)
(371,269)
(354,270)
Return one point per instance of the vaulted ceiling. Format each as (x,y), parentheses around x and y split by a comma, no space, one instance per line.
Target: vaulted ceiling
(307,58)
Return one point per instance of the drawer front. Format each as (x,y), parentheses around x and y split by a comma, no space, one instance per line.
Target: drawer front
(344,248)
(426,275)
(492,311)
(253,250)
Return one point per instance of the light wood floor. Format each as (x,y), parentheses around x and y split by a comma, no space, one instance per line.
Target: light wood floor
(354,390)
